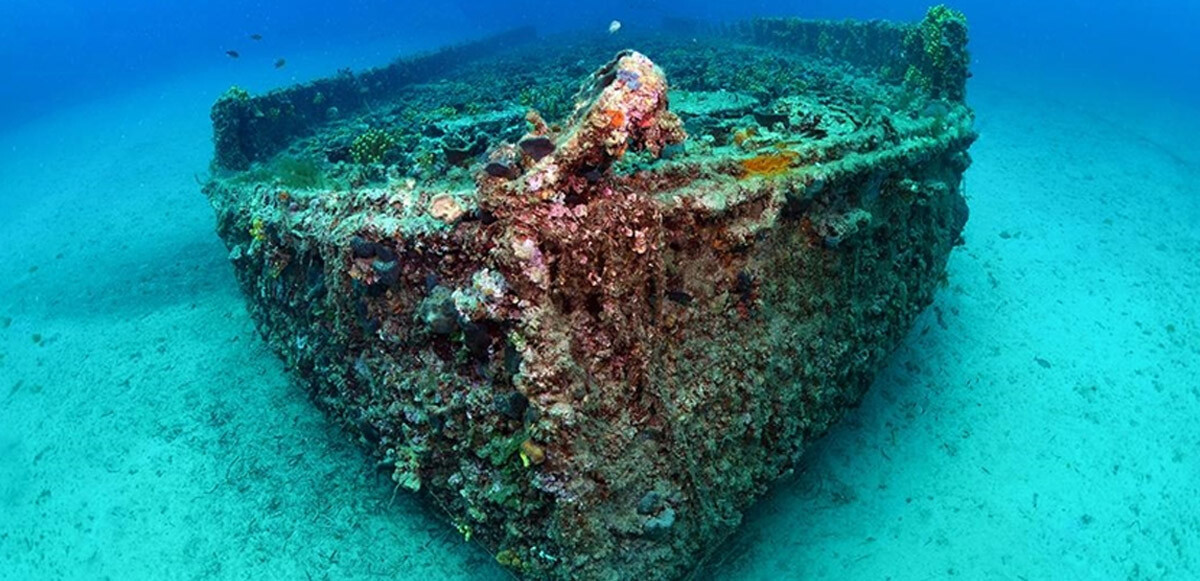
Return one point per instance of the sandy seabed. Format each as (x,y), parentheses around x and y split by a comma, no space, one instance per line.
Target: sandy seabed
(1039,422)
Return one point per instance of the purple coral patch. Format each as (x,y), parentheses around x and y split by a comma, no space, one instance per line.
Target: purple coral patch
(630,78)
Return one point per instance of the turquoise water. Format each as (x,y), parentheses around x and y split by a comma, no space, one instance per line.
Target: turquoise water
(1038,423)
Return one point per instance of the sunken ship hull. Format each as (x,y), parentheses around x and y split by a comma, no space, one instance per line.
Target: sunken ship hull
(591,315)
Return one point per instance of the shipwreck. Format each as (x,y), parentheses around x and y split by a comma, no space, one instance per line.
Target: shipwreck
(592,301)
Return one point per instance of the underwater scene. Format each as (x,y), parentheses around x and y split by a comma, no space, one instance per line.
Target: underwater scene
(642,289)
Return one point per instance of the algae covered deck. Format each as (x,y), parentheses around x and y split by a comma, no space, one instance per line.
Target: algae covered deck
(790,93)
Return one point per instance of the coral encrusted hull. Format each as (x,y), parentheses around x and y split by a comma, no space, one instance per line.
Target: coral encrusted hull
(589,305)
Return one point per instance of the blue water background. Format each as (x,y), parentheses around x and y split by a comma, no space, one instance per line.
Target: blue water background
(54,53)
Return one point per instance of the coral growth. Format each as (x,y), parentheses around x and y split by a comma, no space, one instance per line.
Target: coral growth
(937,30)
(937,52)
(768,165)
(742,136)
(623,107)
(371,146)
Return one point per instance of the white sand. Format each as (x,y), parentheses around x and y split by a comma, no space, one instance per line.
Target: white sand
(148,433)
(150,430)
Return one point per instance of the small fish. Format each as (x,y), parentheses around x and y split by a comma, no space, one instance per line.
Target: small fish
(614,27)
(279,63)
(256,36)
(232,54)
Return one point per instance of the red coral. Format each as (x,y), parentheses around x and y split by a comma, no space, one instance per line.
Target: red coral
(615,118)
